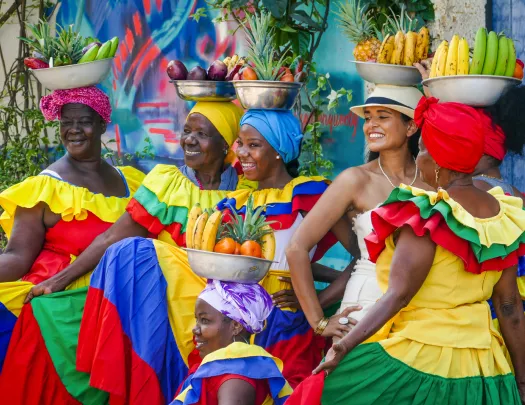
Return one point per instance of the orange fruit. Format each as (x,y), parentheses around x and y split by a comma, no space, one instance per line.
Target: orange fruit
(237,248)
(287,78)
(251,248)
(249,74)
(518,72)
(225,245)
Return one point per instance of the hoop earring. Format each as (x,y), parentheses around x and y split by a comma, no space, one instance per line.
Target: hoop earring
(437,176)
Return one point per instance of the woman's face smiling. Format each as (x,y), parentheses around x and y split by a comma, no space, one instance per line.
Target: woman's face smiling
(258,159)
(202,144)
(385,129)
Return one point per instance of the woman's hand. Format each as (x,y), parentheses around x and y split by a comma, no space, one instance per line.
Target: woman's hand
(336,329)
(49,286)
(334,356)
(424,69)
(286,298)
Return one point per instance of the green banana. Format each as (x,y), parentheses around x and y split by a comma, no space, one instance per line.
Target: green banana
(511,63)
(114,47)
(491,55)
(503,56)
(104,51)
(480,47)
(90,55)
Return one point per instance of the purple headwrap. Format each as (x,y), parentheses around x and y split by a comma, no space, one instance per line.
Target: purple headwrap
(51,105)
(248,304)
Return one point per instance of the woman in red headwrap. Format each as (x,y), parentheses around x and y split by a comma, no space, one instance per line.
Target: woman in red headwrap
(439,257)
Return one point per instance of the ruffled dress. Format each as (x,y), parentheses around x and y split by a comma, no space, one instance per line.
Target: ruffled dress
(442,348)
(84,216)
(236,361)
(136,338)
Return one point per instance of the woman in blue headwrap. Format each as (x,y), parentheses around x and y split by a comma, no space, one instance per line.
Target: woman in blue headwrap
(268,147)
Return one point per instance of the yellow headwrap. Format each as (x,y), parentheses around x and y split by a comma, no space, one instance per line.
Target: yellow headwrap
(225,117)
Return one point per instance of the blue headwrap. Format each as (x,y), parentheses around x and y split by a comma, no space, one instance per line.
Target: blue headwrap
(280,128)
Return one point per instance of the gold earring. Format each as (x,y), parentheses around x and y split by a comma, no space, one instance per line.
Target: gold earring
(437,176)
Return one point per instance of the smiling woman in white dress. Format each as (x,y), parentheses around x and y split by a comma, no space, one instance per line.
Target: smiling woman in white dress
(392,138)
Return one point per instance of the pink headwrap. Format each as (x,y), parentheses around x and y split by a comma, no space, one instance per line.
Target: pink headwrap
(51,105)
(494,138)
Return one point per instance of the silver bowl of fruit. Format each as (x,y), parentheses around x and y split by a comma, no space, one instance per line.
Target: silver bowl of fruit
(268,95)
(473,90)
(224,267)
(204,90)
(73,76)
(382,73)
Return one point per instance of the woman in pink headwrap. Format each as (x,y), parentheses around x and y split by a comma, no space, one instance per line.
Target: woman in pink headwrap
(439,256)
(52,217)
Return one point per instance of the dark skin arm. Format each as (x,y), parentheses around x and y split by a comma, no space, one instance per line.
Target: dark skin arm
(509,309)
(27,238)
(236,392)
(125,227)
(410,266)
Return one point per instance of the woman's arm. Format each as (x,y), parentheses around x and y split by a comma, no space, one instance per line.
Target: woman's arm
(25,244)
(125,227)
(509,309)
(324,274)
(327,214)
(410,266)
(236,392)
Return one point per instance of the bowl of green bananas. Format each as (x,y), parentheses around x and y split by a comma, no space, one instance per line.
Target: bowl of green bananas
(473,90)
(384,73)
(73,76)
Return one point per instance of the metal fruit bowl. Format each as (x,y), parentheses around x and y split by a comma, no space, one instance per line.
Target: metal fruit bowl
(267,95)
(224,267)
(381,73)
(73,76)
(204,90)
(473,90)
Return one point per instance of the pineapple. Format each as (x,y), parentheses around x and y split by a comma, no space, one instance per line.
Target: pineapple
(43,43)
(261,51)
(357,24)
(403,22)
(69,45)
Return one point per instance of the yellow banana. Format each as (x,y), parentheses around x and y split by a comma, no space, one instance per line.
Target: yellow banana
(433,67)
(451,65)
(409,54)
(233,62)
(199,230)
(399,47)
(442,60)
(195,212)
(463,57)
(227,61)
(386,50)
(423,42)
(268,245)
(209,236)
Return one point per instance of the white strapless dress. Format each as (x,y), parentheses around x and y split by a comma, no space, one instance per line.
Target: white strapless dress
(362,288)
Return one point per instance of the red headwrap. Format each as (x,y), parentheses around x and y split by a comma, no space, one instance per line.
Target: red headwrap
(453,133)
(494,138)
(51,105)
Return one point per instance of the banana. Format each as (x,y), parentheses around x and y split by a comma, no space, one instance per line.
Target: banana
(114,47)
(386,50)
(268,245)
(441,60)
(463,57)
(433,66)
(451,64)
(399,47)
(234,60)
(199,230)
(195,212)
(227,61)
(103,52)
(503,56)
(480,49)
(90,55)
(511,63)
(423,42)
(409,53)
(491,55)
(209,236)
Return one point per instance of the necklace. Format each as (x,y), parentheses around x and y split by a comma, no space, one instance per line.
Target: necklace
(489,177)
(392,184)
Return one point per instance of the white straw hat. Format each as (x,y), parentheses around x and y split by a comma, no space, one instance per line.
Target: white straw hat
(402,99)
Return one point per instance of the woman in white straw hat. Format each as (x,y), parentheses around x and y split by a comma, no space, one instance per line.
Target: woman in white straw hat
(392,139)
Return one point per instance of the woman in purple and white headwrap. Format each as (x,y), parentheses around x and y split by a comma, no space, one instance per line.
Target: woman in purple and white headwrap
(226,315)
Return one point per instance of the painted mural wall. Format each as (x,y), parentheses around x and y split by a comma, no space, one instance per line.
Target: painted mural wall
(153,32)
(509,16)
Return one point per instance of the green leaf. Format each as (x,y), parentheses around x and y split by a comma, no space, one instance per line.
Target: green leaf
(304,42)
(238,3)
(306,108)
(302,17)
(276,7)
(287,28)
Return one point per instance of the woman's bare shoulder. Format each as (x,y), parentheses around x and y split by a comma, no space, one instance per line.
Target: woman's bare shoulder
(354,176)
